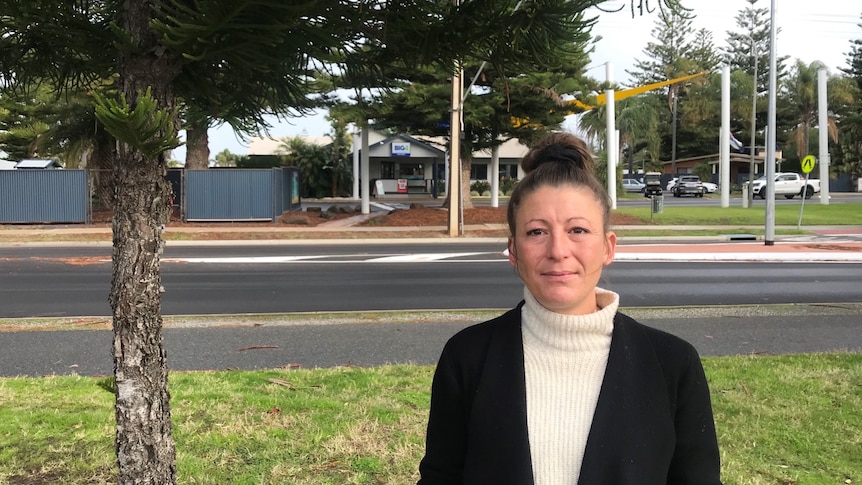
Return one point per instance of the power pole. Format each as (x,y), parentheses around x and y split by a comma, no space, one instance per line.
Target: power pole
(455,154)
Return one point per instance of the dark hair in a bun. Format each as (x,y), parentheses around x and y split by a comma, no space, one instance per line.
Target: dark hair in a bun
(559,148)
(560,159)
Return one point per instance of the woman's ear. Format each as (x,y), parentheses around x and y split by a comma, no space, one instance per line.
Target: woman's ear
(512,257)
(610,247)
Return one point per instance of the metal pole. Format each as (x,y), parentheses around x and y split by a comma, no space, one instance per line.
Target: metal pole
(610,127)
(823,121)
(356,162)
(364,170)
(751,170)
(495,176)
(724,143)
(673,133)
(769,238)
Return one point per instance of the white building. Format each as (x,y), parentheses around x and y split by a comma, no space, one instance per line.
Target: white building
(407,164)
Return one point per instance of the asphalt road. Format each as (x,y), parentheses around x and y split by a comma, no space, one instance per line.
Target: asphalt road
(74,281)
(713,331)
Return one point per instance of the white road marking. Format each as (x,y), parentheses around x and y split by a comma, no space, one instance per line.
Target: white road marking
(420,258)
(339,259)
(245,259)
(499,256)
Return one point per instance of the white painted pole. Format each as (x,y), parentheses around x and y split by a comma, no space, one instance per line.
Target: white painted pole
(769,237)
(365,171)
(495,176)
(822,120)
(355,163)
(724,143)
(611,123)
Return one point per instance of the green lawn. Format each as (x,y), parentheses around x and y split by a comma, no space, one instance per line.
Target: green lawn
(813,214)
(780,419)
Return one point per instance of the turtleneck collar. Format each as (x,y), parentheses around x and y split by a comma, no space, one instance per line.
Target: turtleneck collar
(570,332)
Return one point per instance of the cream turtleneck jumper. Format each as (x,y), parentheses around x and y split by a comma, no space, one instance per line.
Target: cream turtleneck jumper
(565,357)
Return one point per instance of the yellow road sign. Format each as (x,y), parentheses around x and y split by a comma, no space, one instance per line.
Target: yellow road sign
(808,164)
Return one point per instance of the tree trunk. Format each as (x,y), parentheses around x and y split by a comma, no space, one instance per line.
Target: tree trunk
(144,440)
(467,202)
(197,147)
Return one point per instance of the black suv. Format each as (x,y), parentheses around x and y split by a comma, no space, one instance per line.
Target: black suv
(688,185)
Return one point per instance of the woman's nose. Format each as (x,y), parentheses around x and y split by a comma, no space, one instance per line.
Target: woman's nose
(558,245)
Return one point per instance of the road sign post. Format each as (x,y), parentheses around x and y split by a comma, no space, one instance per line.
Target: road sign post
(807,166)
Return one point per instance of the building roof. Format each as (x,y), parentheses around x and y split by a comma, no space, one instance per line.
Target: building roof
(510,149)
(432,150)
(260,145)
(7,165)
(38,163)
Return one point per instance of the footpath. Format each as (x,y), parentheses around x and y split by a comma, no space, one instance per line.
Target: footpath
(826,243)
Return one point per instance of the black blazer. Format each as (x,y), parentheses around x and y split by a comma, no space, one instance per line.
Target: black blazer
(653,422)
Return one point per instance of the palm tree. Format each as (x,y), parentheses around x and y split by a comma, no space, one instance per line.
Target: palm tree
(637,119)
(802,93)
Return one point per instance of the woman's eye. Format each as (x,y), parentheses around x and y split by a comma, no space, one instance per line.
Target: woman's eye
(579,230)
(535,232)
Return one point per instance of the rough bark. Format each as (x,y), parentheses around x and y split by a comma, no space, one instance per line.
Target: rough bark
(467,202)
(144,440)
(197,147)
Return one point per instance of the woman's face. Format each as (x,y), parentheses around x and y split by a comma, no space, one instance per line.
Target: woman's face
(560,247)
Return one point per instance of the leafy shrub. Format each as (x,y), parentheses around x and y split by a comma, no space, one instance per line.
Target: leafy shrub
(480,186)
(507,184)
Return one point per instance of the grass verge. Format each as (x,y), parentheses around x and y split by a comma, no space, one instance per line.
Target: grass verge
(781,420)
(813,214)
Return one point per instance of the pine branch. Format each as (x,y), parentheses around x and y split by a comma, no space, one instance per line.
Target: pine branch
(144,127)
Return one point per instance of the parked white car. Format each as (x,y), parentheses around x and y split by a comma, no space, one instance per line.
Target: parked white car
(633,185)
(708,187)
(788,184)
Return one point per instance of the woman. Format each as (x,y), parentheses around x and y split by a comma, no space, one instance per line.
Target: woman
(563,389)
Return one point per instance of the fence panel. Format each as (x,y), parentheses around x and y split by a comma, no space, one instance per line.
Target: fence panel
(230,194)
(44,196)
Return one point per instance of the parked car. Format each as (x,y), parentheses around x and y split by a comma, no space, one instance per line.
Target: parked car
(688,185)
(787,184)
(709,187)
(633,185)
(670,184)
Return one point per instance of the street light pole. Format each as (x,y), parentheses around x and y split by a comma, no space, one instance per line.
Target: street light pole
(769,237)
(753,123)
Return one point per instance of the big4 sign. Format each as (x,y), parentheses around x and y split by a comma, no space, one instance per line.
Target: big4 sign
(808,164)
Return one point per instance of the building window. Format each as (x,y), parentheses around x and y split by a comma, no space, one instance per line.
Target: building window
(509,170)
(478,171)
(387,170)
(407,170)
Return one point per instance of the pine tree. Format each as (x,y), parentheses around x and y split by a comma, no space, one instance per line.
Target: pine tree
(854,60)
(849,151)
(668,56)
(753,24)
